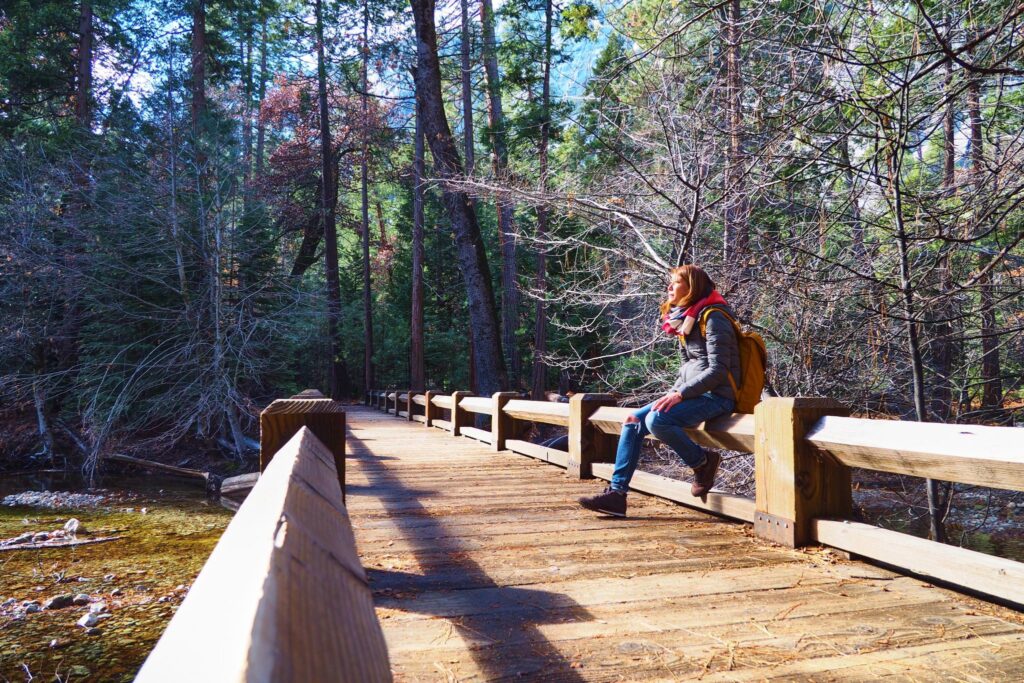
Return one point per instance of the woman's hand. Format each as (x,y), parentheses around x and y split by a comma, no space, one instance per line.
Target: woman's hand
(666,402)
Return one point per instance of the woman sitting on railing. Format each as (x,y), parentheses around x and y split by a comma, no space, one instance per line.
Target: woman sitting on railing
(703,390)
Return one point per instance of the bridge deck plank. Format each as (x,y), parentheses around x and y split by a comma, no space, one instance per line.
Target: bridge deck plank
(484,568)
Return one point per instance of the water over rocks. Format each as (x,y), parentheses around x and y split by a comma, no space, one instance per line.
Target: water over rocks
(54,499)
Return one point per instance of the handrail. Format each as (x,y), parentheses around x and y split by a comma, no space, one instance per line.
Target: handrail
(803,451)
(967,454)
(283,596)
(442,402)
(476,404)
(539,411)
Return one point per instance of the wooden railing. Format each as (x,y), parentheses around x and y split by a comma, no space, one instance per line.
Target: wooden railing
(803,451)
(283,596)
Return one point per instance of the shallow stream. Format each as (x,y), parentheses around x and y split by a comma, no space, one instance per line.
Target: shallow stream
(169,527)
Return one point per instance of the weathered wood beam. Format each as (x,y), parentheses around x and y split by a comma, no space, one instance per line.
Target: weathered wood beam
(793,484)
(299,607)
(966,454)
(284,417)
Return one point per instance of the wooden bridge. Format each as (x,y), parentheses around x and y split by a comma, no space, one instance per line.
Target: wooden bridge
(475,563)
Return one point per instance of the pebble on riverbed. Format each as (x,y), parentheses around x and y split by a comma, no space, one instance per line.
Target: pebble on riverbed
(58,602)
(53,499)
(81,599)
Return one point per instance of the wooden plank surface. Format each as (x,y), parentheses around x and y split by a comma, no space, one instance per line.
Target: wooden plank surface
(968,454)
(483,567)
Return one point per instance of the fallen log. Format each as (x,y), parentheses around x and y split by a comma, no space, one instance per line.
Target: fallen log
(59,543)
(240,485)
(212,480)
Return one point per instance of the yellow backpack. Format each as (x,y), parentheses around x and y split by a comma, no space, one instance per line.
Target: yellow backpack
(753,362)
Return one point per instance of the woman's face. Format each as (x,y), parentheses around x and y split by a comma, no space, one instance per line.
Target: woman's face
(677,289)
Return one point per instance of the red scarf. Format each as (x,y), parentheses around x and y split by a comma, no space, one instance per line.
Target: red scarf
(678,322)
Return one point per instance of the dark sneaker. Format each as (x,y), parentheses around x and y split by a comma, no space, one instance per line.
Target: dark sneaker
(610,502)
(704,476)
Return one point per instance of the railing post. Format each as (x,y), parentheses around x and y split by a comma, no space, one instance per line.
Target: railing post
(409,404)
(794,482)
(284,417)
(460,417)
(428,409)
(502,425)
(587,444)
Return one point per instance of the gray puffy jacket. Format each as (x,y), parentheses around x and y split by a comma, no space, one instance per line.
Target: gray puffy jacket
(706,361)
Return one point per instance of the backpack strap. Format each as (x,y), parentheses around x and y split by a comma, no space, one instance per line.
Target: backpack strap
(704,314)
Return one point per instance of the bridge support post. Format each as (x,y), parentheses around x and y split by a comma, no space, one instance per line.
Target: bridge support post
(502,425)
(280,421)
(428,409)
(409,405)
(794,482)
(460,417)
(587,444)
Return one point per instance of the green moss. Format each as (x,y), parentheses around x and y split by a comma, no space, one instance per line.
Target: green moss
(160,550)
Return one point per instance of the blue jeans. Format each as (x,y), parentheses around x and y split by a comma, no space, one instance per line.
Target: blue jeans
(669,427)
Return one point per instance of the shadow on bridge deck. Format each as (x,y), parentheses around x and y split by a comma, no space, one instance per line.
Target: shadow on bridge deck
(522,608)
(484,568)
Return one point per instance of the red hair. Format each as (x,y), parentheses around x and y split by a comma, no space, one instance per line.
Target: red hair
(700,284)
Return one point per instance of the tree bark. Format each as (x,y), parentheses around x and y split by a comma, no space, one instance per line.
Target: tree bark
(538,383)
(992,386)
(467,91)
(417,372)
(198,63)
(364,173)
(506,210)
(328,196)
(943,348)
(489,361)
(737,206)
(262,92)
(83,86)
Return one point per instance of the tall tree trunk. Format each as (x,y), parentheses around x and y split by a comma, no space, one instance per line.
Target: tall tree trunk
(172,152)
(247,109)
(538,383)
(483,318)
(417,371)
(467,91)
(261,93)
(364,172)
(943,347)
(327,201)
(506,210)
(936,528)
(467,144)
(737,206)
(992,386)
(198,64)
(83,85)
